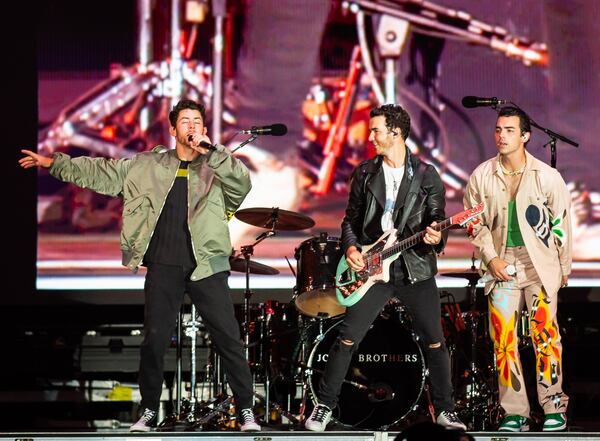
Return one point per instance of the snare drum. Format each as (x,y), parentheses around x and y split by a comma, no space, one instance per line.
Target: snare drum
(317,260)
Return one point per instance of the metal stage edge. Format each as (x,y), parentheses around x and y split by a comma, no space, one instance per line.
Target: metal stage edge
(282,436)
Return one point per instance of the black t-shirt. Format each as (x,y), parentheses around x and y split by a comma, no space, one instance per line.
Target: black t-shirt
(171,243)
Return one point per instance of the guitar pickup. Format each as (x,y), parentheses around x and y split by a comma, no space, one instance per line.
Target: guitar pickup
(345,276)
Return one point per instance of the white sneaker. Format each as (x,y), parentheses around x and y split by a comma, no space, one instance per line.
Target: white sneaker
(449,419)
(319,418)
(247,421)
(146,422)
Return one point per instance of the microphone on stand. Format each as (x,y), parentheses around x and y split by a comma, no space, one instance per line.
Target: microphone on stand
(204,144)
(273,129)
(476,101)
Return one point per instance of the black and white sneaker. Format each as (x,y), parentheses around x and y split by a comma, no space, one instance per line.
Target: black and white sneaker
(247,421)
(319,418)
(146,422)
(449,419)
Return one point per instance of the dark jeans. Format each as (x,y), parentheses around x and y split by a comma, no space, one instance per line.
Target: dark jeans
(164,291)
(422,301)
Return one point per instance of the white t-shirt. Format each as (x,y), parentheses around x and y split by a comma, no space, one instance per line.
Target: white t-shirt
(393,179)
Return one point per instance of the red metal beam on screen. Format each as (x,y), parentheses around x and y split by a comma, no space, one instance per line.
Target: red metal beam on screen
(339,129)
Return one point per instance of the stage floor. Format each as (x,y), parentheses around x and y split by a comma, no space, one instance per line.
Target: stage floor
(284,436)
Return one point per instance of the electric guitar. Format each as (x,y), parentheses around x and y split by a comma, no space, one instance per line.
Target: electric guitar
(351,286)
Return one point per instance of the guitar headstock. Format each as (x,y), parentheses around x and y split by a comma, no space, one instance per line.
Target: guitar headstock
(464,217)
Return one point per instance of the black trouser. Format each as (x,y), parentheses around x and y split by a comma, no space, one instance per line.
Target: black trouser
(422,301)
(164,291)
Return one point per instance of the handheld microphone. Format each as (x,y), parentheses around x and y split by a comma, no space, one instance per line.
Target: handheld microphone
(273,129)
(476,101)
(204,144)
(510,270)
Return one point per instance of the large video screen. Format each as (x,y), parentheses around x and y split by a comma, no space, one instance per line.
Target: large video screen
(110,72)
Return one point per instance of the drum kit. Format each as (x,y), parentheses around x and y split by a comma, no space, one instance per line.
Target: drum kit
(287,346)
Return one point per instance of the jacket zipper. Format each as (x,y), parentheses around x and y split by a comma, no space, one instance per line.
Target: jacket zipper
(188,216)
(156,220)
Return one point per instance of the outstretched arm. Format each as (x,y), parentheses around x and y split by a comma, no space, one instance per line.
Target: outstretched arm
(101,175)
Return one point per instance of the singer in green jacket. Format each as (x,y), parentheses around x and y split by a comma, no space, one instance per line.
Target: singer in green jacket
(176,206)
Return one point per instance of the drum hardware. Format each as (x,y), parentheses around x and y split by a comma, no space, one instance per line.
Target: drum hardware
(273,219)
(192,412)
(191,329)
(277,408)
(299,355)
(479,397)
(247,252)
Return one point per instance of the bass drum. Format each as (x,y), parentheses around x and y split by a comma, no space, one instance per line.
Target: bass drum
(385,379)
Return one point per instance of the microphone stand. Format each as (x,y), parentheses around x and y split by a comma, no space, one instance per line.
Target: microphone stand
(553,137)
(252,138)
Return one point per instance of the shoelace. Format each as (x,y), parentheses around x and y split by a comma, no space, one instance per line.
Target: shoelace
(452,417)
(320,413)
(148,415)
(247,416)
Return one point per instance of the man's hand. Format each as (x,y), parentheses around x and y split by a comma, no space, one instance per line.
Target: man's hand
(565,281)
(354,259)
(32,159)
(432,237)
(497,268)
(194,141)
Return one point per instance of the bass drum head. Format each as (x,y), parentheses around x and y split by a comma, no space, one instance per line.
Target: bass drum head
(385,379)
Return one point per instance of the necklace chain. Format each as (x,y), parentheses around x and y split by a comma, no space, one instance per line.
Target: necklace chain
(511,173)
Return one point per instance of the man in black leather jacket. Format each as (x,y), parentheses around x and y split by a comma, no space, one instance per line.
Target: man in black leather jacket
(378,196)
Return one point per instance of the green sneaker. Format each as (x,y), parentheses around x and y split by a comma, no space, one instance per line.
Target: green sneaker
(555,422)
(514,423)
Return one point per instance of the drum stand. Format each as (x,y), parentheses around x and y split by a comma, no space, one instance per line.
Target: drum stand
(300,360)
(247,252)
(193,413)
(480,397)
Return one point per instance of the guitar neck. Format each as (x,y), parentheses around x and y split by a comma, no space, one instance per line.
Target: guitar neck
(404,244)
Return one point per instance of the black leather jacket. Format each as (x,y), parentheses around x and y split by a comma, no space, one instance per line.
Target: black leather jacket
(366,201)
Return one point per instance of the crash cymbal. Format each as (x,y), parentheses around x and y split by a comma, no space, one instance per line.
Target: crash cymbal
(238,264)
(274,218)
(470,275)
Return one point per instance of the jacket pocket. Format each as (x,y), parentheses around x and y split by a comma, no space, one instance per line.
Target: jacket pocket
(136,214)
(134,204)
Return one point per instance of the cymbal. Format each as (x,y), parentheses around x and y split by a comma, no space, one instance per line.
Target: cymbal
(470,275)
(274,218)
(238,264)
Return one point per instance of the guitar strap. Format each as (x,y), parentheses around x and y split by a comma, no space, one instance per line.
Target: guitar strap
(411,196)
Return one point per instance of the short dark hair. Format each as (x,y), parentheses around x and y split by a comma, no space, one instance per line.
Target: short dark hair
(524,123)
(186,104)
(395,118)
